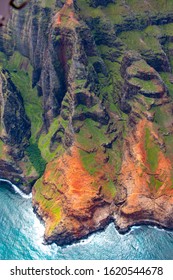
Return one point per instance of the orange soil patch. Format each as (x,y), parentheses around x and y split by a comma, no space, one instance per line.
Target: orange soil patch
(66,14)
(106,170)
(69,2)
(77,184)
(138,149)
(136,171)
(68,185)
(58,19)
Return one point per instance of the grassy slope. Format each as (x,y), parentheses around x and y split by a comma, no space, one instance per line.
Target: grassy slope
(21,74)
(22,79)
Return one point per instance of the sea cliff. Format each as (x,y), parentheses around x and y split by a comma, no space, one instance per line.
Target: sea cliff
(86,110)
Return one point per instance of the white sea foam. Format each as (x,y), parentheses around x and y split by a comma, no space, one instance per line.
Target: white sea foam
(135,227)
(157,228)
(16,189)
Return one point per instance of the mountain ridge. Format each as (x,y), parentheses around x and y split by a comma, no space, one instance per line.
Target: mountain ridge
(95,82)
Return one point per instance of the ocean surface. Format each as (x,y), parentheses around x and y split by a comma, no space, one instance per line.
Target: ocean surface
(21,237)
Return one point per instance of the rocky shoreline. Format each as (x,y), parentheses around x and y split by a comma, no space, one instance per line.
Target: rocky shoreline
(66,239)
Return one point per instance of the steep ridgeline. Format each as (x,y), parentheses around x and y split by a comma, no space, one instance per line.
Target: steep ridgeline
(86,103)
(15,130)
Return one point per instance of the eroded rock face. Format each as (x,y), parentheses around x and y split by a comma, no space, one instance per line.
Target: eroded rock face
(100,85)
(16,125)
(140,78)
(147,185)
(79,205)
(15,131)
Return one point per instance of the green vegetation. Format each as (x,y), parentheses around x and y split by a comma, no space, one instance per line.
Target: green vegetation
(138,66)
(149,86)
(89,162)
(167,77)
(36,159)
(141,41)
(80,83)
(155,182)
(45,141)
(51,206)
(167,29)
(93,166)
(3,59)
(91,136)
(161,117)
(147,40)
(152,151)
(87,10)
(169,144)
(29,169)
(115,155)
(117,12)
(109,189)
(109,87)
(1,147)
(21,73)
(47,3)
(84,109)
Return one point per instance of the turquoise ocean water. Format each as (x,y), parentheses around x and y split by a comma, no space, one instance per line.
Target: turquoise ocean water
(21,237)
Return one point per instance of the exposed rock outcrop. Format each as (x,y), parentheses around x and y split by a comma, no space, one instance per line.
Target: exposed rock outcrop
(140,78)
(15,131)
(14,122)
(79,205)
(148,185)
